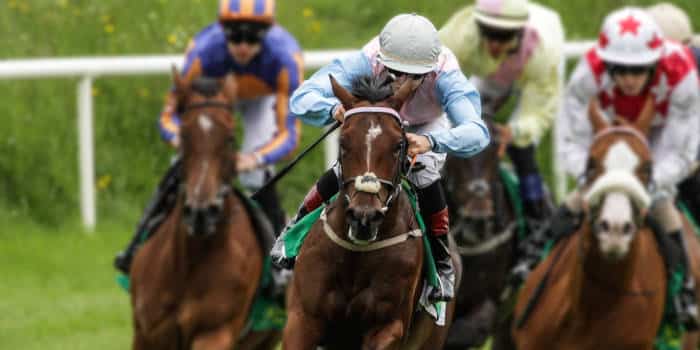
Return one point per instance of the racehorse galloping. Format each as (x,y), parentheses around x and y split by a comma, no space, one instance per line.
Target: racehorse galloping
(603,287)
(484,230)
(345,294)
(193,283)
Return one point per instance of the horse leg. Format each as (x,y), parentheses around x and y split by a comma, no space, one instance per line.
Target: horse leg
(139,343)
(691,340)
(384,337)
(218,339)
(302,331)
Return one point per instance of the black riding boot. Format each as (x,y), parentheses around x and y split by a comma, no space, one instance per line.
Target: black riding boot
(689,193)
(162,201)
(321,192)
(446,273)
(563,223)
(433,207)
(685,303)
(270,203)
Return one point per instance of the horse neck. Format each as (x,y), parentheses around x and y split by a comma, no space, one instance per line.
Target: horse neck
(598,279)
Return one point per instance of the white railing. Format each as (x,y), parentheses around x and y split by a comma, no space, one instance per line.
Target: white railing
(89,68)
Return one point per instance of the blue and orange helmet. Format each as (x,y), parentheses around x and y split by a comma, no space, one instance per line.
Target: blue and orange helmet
(262,11)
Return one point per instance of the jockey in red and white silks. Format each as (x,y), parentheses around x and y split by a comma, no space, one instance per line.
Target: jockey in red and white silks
(630,63)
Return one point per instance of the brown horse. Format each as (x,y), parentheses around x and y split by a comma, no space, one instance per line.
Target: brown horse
(604,287)
(358,275)
(484,227)
(193,283)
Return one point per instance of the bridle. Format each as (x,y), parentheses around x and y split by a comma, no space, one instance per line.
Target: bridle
(394,185)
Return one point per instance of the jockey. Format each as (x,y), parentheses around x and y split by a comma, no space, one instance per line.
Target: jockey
(631,61)
(267,63)
(675,25)
(443,116)
(513,49)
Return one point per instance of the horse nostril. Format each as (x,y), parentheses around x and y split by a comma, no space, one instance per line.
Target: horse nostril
(213,210)
(187,211)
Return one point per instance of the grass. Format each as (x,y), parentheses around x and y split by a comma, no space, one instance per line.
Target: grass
(58,291)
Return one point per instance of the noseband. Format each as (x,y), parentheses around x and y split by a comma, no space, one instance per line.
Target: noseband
(394,184)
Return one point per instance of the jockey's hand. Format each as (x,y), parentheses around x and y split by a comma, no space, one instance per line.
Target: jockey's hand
(175,142)
(505,137)
(417,144)
(246,162)
(339,113)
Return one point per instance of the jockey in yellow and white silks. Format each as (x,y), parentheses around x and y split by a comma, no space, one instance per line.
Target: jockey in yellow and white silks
(513,49)
(631,63)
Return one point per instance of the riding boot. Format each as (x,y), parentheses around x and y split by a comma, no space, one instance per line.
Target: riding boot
(270,204)
(689,193)
(536,212)
(529,252)
(162,201)
(321,192)
(685,302)
(443,263)
(433,208)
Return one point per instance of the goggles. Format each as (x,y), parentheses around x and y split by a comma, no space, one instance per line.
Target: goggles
(243,32)
(396,75)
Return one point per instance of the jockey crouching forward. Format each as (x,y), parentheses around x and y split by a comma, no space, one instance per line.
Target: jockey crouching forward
(408,48)
(513,49)
(631,63)
(267,63)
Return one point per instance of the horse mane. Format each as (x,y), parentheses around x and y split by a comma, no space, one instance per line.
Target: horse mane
(372,88)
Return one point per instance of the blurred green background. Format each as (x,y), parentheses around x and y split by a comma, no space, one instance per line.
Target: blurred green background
(58,290)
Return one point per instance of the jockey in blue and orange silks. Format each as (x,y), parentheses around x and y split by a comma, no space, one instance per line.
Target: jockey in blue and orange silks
(267,63)
(443,115)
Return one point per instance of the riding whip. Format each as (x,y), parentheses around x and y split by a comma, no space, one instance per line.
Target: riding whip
(296,160)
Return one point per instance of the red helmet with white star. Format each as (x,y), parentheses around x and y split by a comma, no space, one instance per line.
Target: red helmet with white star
(630,37)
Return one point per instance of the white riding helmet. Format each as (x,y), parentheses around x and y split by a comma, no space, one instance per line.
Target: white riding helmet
(630,37)
(672,21)
(409,43)
(503,14)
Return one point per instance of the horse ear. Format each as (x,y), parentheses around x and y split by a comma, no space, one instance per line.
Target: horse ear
(177,79)
(229,87)
(402,94)
(345,97)
(646,116)
(596,116)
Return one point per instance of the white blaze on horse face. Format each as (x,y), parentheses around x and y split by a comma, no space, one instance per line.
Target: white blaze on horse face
(620,156)
(205,123)
(615,227)
(373,132)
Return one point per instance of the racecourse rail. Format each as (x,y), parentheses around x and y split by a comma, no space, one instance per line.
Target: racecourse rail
(90,68)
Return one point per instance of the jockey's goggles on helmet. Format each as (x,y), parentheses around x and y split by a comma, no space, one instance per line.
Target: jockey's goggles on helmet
(617,69)
(248,32)
(395,75)
(497,34)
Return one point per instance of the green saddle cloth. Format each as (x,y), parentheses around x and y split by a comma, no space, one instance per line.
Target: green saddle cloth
(265,313)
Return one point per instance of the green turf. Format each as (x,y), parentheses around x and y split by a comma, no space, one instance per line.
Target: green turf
(58,290)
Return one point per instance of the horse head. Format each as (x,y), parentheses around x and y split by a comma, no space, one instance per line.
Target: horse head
(373,148)
(207,149)
(618,174)
(472,184)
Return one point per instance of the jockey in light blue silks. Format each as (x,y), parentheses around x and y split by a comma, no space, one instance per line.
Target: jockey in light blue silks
(442,116)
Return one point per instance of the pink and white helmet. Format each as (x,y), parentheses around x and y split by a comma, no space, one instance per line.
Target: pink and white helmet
(630,37)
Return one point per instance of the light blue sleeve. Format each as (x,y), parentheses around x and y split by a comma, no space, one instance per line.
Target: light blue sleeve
(313,100)
(462,103)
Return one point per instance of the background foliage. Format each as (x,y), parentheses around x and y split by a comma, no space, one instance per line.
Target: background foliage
(58,291)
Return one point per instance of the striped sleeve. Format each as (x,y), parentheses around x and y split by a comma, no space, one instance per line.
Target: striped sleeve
(287,137)
(169,121)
